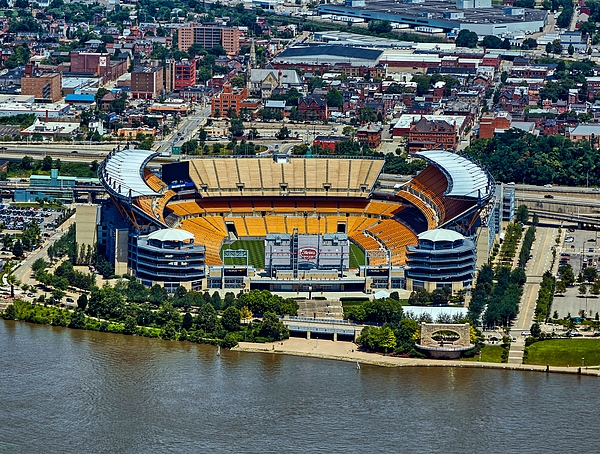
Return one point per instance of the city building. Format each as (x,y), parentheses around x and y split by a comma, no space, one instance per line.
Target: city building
(479,16)
(209,36)
(42,86)
(147,82)
(168,257)
(262,82)
(370,134)
(96,63)
(443,258)
(231,99)
(185,74)
(431,134)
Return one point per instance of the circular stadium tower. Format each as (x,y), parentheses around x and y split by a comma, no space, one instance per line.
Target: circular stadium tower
(442,258)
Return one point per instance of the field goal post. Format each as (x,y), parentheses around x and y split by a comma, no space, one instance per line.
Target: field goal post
(234,254)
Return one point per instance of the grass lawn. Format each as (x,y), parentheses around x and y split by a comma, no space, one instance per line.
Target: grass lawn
(560,352)
(489,354)
(256,253)
(357,256)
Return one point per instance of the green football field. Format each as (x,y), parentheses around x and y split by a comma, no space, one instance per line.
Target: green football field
(256,254)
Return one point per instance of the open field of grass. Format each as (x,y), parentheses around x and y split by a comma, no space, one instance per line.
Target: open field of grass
(560,352)
(256,253)
(357,256)
(489,354)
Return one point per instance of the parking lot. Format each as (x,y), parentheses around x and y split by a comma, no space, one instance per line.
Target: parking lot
(15,218)
(580,249)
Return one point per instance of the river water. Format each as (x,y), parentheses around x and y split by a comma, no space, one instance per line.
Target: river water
(73,391)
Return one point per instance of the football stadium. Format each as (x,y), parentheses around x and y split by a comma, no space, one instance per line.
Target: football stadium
(286,223)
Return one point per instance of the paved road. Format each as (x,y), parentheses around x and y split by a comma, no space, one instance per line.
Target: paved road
(536,267)
(185,130)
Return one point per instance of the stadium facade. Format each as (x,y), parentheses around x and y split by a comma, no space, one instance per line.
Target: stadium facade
(313,219)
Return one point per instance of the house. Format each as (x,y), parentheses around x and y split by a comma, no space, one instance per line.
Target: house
(585,132)
(313,107)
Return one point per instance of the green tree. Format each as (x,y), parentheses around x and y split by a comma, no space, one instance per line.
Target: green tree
(236,127)
(571,50)
(273,327)
(82,301)
(207,319)
(18,249)
(557,47)
(582,289)
(130,325)
(190,147)
(467,38)
(522,214)
(231,318)
(78,320)
(335,98)
(561,287)
(380,26)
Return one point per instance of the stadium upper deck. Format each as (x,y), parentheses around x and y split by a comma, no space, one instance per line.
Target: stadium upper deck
(294,176)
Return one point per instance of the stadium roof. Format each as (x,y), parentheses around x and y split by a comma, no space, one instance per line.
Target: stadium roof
(171,235)
(465,178)
(121,173)
(333,50)
(441,235)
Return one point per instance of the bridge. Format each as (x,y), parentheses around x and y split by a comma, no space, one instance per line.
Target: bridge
(322,327)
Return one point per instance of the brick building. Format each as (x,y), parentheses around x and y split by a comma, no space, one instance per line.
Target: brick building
(491,123)
(313,107)
(431,134)
(185,74)
(370,134)
(328,143)
(96,63)
(147,82)
(231,99)
(209,36)
(41,85)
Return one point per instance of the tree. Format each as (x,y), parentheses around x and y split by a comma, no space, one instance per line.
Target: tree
(582,289)
(548,48)
(130,325)
(566,273)
(283,133)
(190,147)
(467,38)
(77,319)
(595,290)
(231,319)
(82,301)
(273,327)
(570,50)
(207,318)
(535,330)
(18,249)
(557,47)
(561,287)
(492,42)
(245,313)
(529,43)
(522,214)
(335,98)
(236,127)
(380,26)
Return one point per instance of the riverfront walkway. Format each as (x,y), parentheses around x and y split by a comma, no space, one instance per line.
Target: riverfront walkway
(347,351)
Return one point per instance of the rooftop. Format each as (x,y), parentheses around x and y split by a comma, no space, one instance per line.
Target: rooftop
(440,235)
(465,178)
(121,173)
(177,235)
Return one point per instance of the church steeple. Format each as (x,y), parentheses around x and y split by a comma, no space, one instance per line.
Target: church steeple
(252,59)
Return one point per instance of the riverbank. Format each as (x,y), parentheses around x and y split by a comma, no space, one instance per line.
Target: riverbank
(347,351)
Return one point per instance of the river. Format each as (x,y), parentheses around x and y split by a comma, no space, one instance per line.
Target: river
(73,391)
